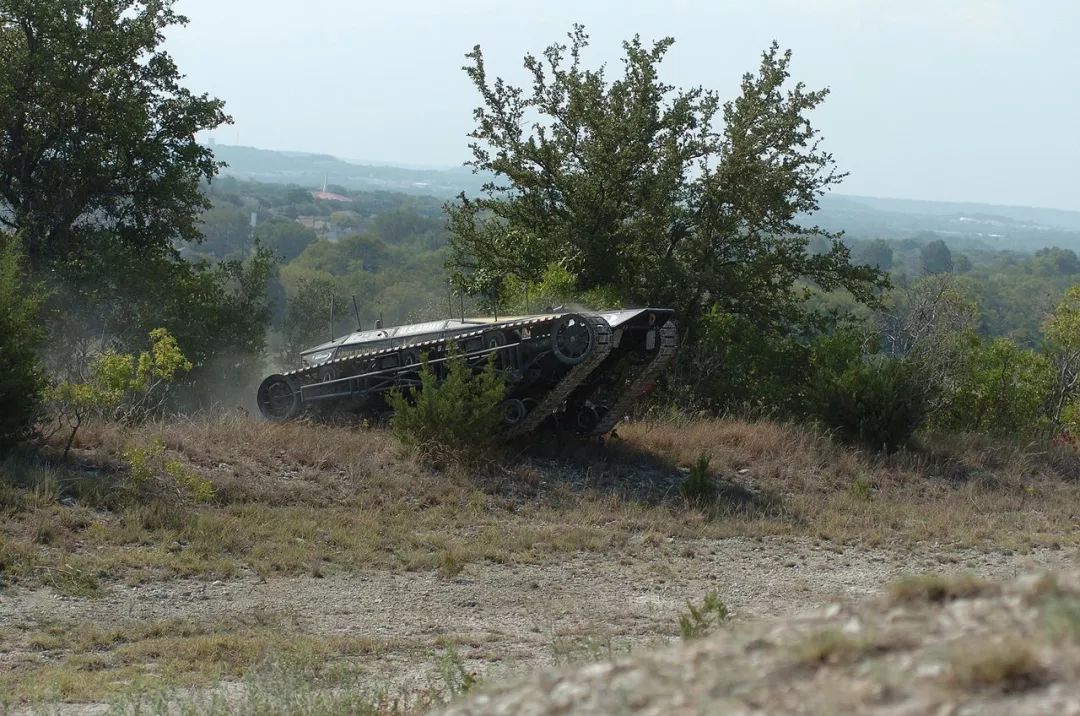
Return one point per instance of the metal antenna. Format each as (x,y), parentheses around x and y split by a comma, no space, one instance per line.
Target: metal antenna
(461,296)
(356,311)
(331,317)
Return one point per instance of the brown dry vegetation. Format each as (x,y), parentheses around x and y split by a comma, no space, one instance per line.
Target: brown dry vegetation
(222,496)
(301,498)
(966,490)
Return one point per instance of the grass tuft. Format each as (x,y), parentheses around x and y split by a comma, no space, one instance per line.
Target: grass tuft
(829,648)
(1005,667)
(937,589)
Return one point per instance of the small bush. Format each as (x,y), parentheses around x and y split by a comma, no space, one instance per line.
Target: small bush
(149,470)
(699,487)
(699,620)
(118,386)
(456,679)
(456,411)
(860,489)
(878,404)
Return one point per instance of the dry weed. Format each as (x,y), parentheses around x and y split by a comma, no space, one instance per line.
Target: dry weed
(1008,666)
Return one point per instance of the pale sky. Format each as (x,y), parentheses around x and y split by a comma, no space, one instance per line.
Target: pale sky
(964,100)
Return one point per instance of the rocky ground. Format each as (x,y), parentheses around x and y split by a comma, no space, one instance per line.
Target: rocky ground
(926,647)
(509,620)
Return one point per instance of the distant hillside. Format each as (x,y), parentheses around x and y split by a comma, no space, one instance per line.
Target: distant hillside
(311,170)
(965,225)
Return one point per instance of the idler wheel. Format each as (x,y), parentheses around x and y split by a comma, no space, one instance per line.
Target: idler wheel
(586,418)
(572,339)
(514,411)
(278,398)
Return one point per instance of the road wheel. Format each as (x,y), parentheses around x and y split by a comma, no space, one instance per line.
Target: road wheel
(514,411)
(279,398)
(572,339)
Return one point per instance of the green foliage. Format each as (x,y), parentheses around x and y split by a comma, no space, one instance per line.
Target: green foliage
(100,130)
(1002,390)
(628,185)
(118,386)
(21,377)
(307,318)
(218,313)
(1062,330)
(860,489)
(456,679)
(287,239)
(699,620)
(876,252)
(198,487)
(140,460)
(737,363)
(699,487)
(935,258)
(147,464)
(876,403)
(455,411)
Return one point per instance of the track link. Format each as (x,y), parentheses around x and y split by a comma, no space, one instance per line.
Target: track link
(313,372)
(561,391)
(638,384)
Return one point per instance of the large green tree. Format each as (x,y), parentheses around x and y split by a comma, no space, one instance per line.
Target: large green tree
(630,185)
(97,134)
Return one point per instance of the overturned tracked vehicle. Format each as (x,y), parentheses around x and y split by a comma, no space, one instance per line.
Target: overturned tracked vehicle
(580,370)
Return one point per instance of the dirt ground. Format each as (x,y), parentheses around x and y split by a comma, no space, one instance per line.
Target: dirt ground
(509,619)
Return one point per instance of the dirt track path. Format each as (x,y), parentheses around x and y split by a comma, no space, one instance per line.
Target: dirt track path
(510,618)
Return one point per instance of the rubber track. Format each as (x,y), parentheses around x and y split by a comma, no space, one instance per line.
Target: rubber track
(561,391)
(668,347)
(313,371)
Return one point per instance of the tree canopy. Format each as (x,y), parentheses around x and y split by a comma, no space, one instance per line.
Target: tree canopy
(629,185)
(97,135)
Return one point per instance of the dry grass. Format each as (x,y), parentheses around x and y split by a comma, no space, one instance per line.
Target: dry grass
(299,498)
(936,589)
(1008,666)
(967,491)
(84,662)
(830,648)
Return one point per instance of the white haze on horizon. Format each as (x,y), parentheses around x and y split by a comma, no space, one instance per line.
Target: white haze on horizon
(949,100)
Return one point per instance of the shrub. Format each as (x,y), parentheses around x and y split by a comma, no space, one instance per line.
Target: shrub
(699,487)
(119,386)
(149,472)
(455,411)
(877,403)
(699,620)
(1002,389)
(21,378)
